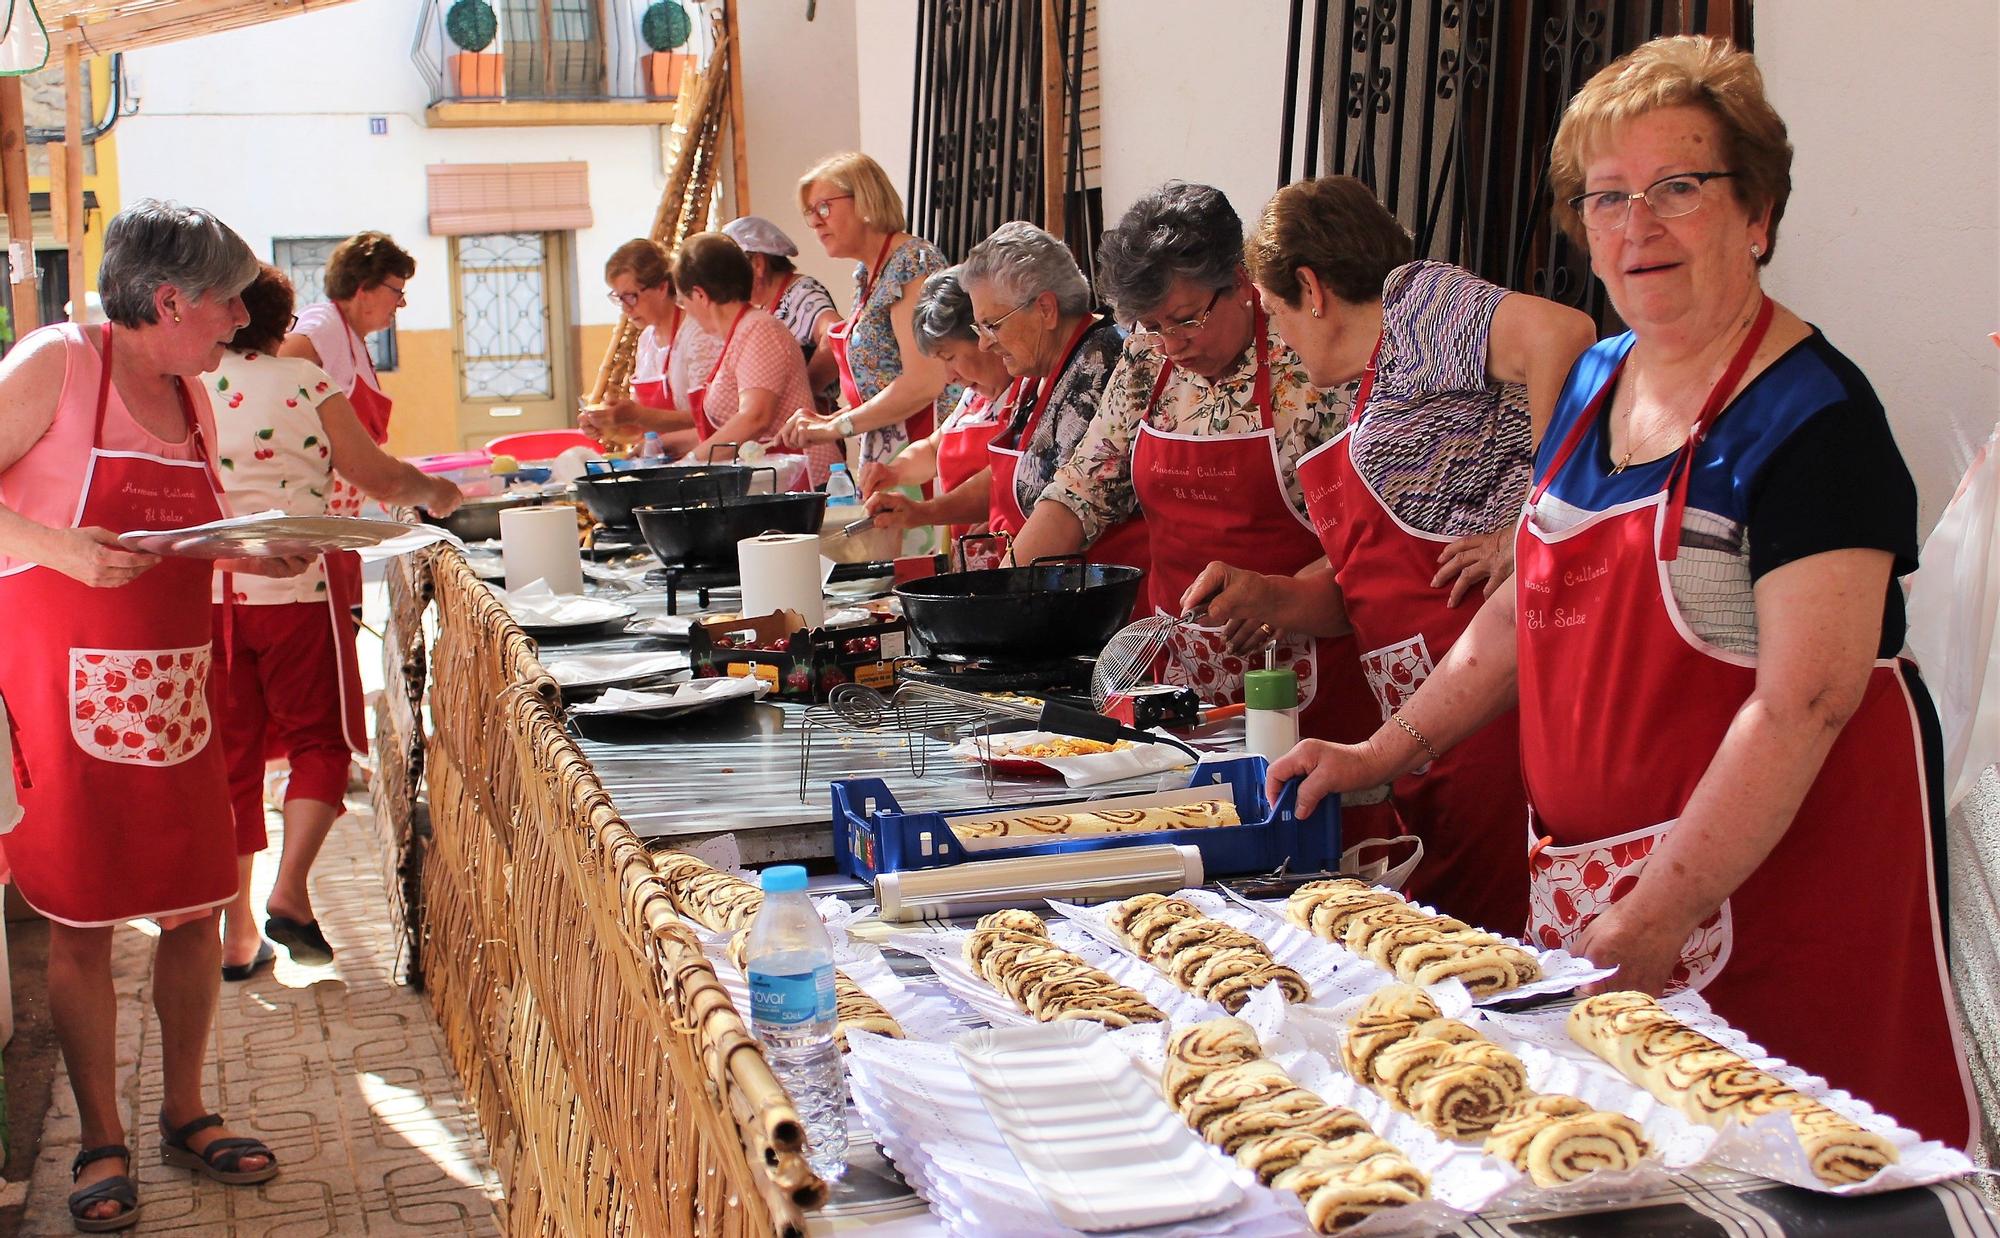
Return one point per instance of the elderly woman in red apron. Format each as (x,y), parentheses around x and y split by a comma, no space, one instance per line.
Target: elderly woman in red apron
(1200,429)
(1457,376)
(111,687)
(895,394)
(1731,773)
(954,455)
(672,355)
(1032,309)
(285,434)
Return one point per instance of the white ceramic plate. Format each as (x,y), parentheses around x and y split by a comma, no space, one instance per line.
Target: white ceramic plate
(1099,1144)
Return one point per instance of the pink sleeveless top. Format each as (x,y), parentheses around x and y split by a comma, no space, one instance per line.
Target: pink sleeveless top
(46,485)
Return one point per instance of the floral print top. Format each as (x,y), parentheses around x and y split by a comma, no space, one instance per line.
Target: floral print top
(272,453)
(1096,483)
(873,353)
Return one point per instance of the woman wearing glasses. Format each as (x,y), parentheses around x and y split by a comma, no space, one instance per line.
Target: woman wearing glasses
(759,373)
(895,394)
(1456,375)
(1728,767)
(1030,310)
(1200,430)
(672,353)
(284,433)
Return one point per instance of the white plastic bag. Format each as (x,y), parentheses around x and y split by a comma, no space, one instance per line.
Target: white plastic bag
(1955,622)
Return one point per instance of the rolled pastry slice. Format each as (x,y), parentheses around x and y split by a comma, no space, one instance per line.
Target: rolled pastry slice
(1105,1015)
(1493,1057)
(981,942)
(1720,1095)
(1341,1205)
(1182,965)
(1840,1150)
(1297,1111)
(1481,973)
(1677,1074)
(1053,991)
(1149,925)
(1523,1120)
(1601,1018)
(1461,1101)
(1402,1001)
(1361,927)
(1651,1048)
(1392,1167)
(1120,916)
(1570,1147)
(1267,1156)
(1367,1037)
(1358,1147)
(1527,968)
(1398,1068)
(1387,945)
(1328,918)
(1221,1091)
(1233,992)
(1220,966)
(1451,1031)
(1015,921)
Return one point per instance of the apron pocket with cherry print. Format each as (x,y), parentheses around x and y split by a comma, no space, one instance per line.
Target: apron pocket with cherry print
(1569,886)
(140,706)
(1199,658)
(1395,672)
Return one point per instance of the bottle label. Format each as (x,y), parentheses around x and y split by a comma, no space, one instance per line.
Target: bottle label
(800,998)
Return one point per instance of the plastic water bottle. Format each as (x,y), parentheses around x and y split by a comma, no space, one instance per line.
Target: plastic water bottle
(650,447)
(840,491)
(790,962)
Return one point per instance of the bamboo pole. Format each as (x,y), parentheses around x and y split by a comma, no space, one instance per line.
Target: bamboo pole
(73,82)
(1052,121)
(739,158)
(20,220)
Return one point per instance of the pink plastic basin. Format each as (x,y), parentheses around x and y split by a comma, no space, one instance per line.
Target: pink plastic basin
(541,444)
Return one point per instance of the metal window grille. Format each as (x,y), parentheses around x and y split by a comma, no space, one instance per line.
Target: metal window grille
(503,316)
(303,260)
(1447,108)
(976,122)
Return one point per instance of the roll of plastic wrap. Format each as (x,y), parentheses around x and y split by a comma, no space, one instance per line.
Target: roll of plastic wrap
(976,887)
(781,571)
(539,543)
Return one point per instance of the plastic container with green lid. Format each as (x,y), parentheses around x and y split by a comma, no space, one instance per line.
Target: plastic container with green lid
(1270,713)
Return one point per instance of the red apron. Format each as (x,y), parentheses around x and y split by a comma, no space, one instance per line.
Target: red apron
(704,429)
(961,443)
(343,567)
(655,392)
(1622,712)
(921,422)
(1210,497)
(116,706)
(1467,807)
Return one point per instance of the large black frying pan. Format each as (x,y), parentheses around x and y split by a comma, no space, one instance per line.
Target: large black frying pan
(610,497)
(1040,613)
(705,534)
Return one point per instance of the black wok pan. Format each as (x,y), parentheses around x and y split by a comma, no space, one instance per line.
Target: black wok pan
(705,534)
(478,520)
(1040,613)
(610,497)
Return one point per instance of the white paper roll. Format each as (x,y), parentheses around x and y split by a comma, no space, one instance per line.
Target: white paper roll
(539,543)
(781,571)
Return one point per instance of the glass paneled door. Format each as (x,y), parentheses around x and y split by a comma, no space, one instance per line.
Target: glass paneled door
(510,311)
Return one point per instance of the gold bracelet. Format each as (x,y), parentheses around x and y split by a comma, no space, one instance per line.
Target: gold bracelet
(1415,734)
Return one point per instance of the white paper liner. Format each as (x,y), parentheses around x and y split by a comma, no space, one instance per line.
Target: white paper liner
(1768,1148)
(698,693)
(538,606)
(930,1120)
(1562,972)
(1080,771)
(590,669)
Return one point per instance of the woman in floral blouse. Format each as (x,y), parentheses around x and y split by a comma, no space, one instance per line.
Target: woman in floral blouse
(283,432)
(894,393)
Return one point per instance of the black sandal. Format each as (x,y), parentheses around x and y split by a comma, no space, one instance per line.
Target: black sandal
(219,1160)
(307,944)
(118,1189)
(265,956)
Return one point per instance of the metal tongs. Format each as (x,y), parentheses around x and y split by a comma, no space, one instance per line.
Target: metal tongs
(858,526)
(1048,716)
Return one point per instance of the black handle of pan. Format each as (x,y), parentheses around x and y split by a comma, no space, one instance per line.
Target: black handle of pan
(1086,724)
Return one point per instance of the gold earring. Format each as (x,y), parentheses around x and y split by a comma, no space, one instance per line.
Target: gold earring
(177,316)
(1315,311)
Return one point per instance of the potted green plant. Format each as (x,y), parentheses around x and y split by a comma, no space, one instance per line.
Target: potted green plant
(475,72)
(666,27)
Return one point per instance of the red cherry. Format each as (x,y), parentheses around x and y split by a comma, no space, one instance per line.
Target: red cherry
(187,660)
(173,732)
(156,754)
(105,736)
(142,669)
(132,739)
(85,711)
(291,403)
(82,681)
(200,727)
(94,659)
(1565,906)
(1595,874)
(154,723)
(115,681)
(136,702)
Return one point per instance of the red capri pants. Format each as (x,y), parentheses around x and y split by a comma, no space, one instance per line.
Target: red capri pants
(293,690)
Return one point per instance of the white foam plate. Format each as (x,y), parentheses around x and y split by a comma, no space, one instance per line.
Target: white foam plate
(1100,1145)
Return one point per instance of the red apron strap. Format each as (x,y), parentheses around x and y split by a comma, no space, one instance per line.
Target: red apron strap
(1159,387)
(727,337)
(1575,437)
(874,273)
(14,744)
(1718,396)
(1260,390)
(1045,388)
(103,389)
(1367,387)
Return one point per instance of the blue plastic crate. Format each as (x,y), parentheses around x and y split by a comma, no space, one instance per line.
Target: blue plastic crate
(872,834)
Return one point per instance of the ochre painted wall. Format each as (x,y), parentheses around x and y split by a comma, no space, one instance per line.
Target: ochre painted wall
(424,386)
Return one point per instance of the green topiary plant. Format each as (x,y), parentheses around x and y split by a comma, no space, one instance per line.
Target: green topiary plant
(665,26)
(471,24)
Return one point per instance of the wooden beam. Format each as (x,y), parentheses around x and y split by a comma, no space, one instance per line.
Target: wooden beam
(20,221)
(497,113)
(120,25)
(73,84)
(739,158)
(1052,121)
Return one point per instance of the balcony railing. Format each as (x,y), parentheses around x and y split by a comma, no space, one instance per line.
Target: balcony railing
(556,51)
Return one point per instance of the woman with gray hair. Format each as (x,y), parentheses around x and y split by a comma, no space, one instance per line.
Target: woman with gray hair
(1201,429)
(955,453)
(101,432)
(1031,308)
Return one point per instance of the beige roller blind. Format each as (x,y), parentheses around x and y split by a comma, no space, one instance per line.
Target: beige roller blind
(477,198)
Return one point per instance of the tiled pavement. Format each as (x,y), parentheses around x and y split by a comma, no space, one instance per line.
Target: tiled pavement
(339,1068)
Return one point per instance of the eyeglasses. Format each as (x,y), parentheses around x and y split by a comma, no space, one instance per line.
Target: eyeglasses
(629,299)
(293,325)
(1180,332)
(991,330)
(1670,197)
(824,207)
(401,300)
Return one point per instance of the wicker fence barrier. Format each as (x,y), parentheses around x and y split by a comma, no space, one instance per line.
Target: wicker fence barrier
(618,1088)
